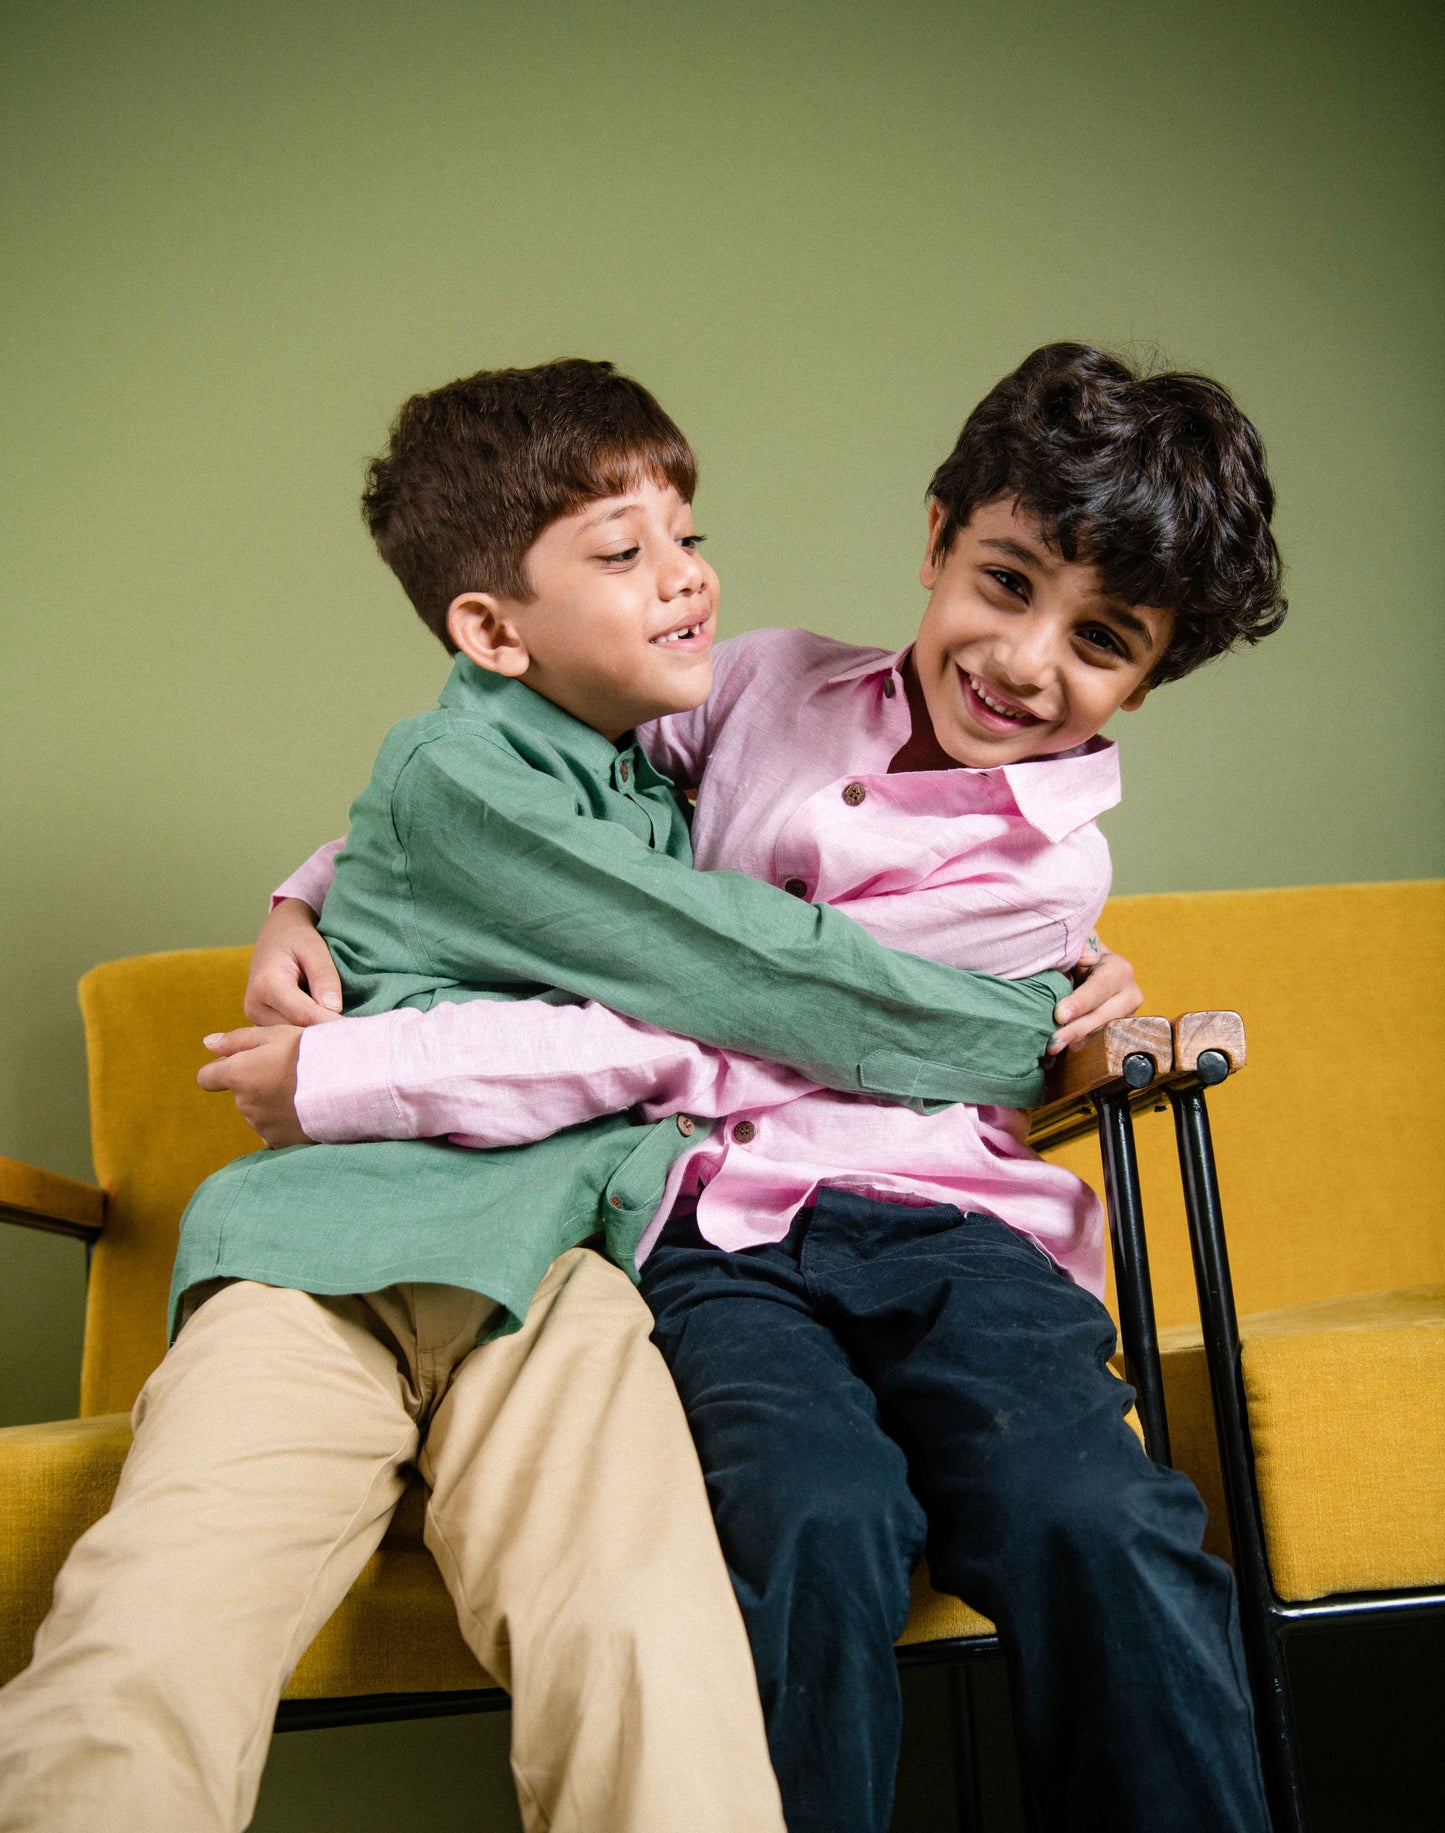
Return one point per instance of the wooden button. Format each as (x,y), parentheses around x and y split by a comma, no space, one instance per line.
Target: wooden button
(796,887)
(686,1125)
(890,688)
(624,770)
(854,794)
(745,1132)
(616,1202)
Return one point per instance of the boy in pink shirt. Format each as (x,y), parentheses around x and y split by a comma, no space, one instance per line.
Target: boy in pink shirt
(876,1357)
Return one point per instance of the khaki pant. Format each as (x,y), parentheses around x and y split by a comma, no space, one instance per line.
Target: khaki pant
(567,1514)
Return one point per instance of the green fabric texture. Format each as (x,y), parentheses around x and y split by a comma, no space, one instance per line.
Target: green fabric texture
(504,850)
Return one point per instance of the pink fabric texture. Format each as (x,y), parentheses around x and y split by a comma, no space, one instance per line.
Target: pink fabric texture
(1003,871)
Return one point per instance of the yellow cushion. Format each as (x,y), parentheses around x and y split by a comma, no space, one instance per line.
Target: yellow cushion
(55,1480)
(936,1617)
(1347,1406)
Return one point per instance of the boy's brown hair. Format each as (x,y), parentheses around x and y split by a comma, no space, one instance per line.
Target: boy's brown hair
(476,470)
(1158,480)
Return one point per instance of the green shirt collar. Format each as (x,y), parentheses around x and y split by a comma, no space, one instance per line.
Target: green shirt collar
(512,706)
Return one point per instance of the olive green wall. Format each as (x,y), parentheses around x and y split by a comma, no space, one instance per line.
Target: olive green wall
(237,236)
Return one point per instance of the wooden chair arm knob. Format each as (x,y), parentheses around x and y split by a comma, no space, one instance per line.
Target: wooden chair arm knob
(1198,1032)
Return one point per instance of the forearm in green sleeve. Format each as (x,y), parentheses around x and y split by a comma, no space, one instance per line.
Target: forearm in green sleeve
(539,895)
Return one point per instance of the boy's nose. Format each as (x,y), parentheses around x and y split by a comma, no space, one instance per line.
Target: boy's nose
(1026,664)
(684,572)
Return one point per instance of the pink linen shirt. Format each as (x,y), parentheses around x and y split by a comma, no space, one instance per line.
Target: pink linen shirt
(1003,871)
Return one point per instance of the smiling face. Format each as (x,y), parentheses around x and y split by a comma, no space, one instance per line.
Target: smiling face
(620,626)
(1022,653)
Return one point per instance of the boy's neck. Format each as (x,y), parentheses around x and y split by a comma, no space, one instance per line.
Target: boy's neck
(922,750)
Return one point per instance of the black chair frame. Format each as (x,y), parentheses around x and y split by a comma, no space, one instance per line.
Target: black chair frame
(1268,1622)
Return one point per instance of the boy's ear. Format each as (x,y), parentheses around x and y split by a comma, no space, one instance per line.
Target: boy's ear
(932,558)
(476,624)
(1136,699)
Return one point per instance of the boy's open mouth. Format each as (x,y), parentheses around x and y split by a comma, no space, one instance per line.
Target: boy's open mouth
(692,635)
(990,709)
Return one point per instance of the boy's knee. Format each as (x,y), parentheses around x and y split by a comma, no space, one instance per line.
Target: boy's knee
(1100,1505)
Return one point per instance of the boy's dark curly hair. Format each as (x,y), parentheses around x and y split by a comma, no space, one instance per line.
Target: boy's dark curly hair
(1158,480)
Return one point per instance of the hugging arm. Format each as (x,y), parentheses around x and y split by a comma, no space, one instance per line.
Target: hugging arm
(501,1073)
(540,895)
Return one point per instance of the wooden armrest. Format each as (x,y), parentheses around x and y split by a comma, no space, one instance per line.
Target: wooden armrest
(44,1199)
(1196,1032)
(1128,1053)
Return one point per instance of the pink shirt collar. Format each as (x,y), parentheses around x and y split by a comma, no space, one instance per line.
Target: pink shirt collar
(1055,795)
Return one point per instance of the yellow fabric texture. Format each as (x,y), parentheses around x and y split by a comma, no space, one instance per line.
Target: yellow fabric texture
(154,1136)
(55,1480)
(1333,1184)
(1347,1409)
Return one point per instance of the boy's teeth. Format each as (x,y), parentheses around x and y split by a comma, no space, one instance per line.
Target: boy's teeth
(676,636)
(997,706)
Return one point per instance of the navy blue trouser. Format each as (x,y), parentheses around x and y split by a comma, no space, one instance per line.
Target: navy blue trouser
(890,1380)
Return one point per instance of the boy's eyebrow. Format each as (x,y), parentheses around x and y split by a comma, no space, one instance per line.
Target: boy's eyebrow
(1121,614)
(609,515)
(1016,550)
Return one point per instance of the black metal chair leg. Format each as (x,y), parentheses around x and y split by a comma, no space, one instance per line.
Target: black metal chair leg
(967,1805)
(1138,1333)
(1263,1641)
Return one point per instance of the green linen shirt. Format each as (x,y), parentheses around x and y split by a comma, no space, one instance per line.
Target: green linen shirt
(504,850)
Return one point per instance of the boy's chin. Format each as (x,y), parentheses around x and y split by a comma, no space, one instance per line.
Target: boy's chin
(993,753)
(682,695)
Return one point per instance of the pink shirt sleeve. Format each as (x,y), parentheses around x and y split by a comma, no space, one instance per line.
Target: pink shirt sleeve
(311,881)
(507,1072)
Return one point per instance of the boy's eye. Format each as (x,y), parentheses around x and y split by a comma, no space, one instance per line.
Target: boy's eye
(691,542)
(623,554)
(1100,636)
(1010,581)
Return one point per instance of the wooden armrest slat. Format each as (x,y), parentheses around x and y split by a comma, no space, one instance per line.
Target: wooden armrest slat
(1196,1032)
(1090,1067)
(43,1199)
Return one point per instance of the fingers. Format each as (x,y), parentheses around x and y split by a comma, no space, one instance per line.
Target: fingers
(277,993)
(1108,991)
(228,1043)
(293,980)
(321,976)
(215,1078)
(274,1000)
(1111,979)
(1125,1005)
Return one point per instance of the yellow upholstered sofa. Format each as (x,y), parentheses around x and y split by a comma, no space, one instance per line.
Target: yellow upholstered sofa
(1330,1167)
